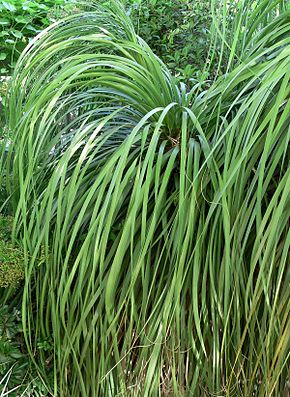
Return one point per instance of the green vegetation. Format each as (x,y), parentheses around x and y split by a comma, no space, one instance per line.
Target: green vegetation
(20,21)
(13,364)
(11,268)
(3,91)
(17,377)
(11,257)
(17,374)
(153,213)
(178,31)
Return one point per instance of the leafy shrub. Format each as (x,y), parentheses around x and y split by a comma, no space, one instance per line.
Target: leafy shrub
(17,377)
(21,20)
(11,266)
(11,355)
(16,374)
(6,224)
(12,257)
(178,31)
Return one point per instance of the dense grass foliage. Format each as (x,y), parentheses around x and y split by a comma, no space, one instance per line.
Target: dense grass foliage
(162,214)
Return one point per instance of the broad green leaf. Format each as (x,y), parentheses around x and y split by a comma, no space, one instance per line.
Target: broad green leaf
(4,21)
(10,41)
(17,34)
(31,28)
(22,19)
(8,6)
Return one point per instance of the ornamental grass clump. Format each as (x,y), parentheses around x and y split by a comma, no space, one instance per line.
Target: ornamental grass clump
(163,213)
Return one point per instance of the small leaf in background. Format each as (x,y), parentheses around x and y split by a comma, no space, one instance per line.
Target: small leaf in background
(16,355)
(22,19)
(45,21)
(32,28)
(3,56)
(9,6)
(42,6)
(25,7)
(17,34)
(4,21)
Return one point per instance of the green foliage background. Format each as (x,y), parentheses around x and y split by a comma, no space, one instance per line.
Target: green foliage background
(178,31)
(20,21)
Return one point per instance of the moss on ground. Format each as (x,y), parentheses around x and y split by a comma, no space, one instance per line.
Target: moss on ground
(11,257)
